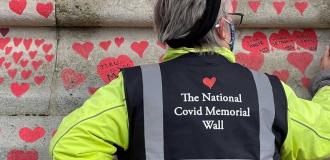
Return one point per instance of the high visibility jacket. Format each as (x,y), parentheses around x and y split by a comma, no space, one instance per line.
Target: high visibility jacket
(101,128)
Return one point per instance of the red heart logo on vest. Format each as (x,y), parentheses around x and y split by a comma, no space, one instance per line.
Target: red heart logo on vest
(28,135)
(119,41)
(22,155)
(4,42)
(19,89)
(84,49)
(71,79)
(282,40)
(105,45)
(279,6)
(17,6)
(300,60)
(109,68)
(258,43)
(45,9)
(209,82)
(306,39)
(283,75)
(254,5)
(301,6)
(252,61)
(39,79)
(139,47)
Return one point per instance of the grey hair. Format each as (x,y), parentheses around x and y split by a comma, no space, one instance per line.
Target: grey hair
(174,18)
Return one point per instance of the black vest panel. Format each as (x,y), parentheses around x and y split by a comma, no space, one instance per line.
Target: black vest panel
(210,110)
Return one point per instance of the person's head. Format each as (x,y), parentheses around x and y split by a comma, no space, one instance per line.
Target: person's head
(174,20)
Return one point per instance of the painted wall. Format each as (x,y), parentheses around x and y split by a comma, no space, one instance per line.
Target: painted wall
(49,64)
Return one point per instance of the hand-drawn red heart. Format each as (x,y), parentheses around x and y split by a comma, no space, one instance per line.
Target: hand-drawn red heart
(301,6)
(28,135)
(258,43)
(36,64)
(26,74)
(17,41)
(162,45)
(282,40)
(108,68)
(33,54)
(12,73)
(283,75)
(19,89)
(254,5)
(306,82)
(39,42)
(71,79)
(84,49)
(252,61)
(49,58)
(22,155)
(119,41)
(8,50)
(7,65)
(209,82)
(105,45)
(300,60)
(27,43)
(279,6)
(306,39)
(234,4)
(17,56)
(2,59)
(17,6)
(24,62)
(139,47)
(39,79)
(4,31)
(45,9)
(1,80)
(4,42)
(92,90)
(47,47)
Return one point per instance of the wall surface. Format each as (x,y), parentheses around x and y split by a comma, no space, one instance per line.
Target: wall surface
(51,53)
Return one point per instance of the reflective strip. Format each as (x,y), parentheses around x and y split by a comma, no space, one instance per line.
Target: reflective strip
(153,112)
(266,115)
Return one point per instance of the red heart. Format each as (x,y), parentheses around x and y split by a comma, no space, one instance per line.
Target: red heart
(71,79)
(12,73)
(7,65)
(24,62)
(306,39)
(33,54)
(234,4)
(39,79)
(4,42)
(301,6)
(26,74)
(47,47)
(306,82)
(300,60)
(27,43)
(209,82)
(36,64)
(8,50)
(119,41)
(162,45)
(282,40)
(17,56)
(22,155)
(19,89)
(105,45)
(92,90)
(84,49)
(17,6)
(45,9)
(49,58)
(2,59)
(254,5)
(17,41)
(1,80)
(39,42)
(28,135)
(279,6)
(257,43)
(283,75)
(253,60)
(139,47)
(109,68)
(4,31)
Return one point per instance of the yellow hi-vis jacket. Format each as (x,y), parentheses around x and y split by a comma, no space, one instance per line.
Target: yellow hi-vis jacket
(92,131)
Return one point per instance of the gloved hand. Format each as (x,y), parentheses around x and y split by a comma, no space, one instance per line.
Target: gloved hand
(322,79)
(325,60)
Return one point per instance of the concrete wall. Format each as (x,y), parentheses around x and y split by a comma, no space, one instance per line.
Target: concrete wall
(49,63)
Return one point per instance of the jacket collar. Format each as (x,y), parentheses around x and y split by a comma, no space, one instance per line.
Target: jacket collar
(174,53)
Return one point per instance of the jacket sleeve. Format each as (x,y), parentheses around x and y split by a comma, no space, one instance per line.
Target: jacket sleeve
(308,135)
(95,130)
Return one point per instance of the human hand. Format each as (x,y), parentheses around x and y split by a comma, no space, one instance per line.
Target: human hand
(325,60)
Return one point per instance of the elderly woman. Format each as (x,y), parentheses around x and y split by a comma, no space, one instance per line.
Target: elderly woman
(197,104)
